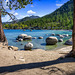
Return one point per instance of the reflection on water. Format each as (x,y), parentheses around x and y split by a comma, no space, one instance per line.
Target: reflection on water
(38,43)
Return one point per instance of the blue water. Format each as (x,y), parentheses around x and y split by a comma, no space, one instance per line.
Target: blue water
(11,36)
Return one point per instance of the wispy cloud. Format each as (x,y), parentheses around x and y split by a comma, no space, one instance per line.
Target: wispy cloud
(59,5)
(15,14)
(30,12)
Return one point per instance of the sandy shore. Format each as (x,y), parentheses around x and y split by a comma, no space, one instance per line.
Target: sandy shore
(36,62)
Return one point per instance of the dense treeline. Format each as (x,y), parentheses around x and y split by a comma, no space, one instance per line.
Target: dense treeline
(61,18)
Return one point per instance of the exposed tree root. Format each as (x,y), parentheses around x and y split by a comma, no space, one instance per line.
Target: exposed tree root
(70,54)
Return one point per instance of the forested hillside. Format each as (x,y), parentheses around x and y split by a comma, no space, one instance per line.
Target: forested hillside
(62,18)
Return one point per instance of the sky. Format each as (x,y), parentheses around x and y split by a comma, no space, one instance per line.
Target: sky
(38,8)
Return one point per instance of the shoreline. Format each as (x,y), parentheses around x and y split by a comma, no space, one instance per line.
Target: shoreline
(35,29)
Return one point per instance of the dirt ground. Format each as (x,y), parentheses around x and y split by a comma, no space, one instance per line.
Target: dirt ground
(36,62)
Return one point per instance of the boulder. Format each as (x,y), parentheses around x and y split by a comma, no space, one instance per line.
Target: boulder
(57,34)
(20,39)
(61,36)
(13,48)
(51,40)
(22,35)
(40,37)
(28,37)
(53,34)
(28,46)
(68,42)
(60,40)
(66,35)
(34,38)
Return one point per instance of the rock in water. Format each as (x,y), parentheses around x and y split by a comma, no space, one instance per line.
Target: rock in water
(34,38)
(51,40)
(28,38)
(22,36)
(28,46)
(40,37)
(53,34)
(60,40)
(20,39)
(61,36)
(66,35)
(68,42)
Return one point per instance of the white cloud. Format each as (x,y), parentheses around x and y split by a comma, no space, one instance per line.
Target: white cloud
(30,12)
(15,14)
(59,5)
(32,6)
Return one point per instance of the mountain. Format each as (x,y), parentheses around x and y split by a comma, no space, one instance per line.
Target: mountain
(23,19)
(61,18)
(29,18)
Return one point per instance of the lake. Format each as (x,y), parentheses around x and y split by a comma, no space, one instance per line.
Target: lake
(11,36)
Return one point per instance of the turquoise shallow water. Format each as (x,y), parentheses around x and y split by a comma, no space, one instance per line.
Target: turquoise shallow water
(38,43)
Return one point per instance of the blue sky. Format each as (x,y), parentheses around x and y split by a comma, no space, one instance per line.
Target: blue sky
(38,8)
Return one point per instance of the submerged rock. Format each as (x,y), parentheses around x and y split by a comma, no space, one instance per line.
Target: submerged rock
(66,35)
(53,34)
(61,36)
(34,38)
(60,40)
(57,34)
(28,46)
(51,40)
(40,37)
(68,42)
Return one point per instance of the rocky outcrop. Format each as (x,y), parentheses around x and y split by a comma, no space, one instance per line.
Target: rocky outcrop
(28,46)
(51,40)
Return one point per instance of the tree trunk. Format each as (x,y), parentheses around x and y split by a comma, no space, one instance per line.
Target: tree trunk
(2,35)
(73,32)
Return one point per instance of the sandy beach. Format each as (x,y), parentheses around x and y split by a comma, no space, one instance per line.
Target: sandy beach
(36,62)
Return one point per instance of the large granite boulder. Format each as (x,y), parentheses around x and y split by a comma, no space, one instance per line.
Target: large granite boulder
(68,42)
(51,40)
(22,36)
(28,46)
(28,37)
